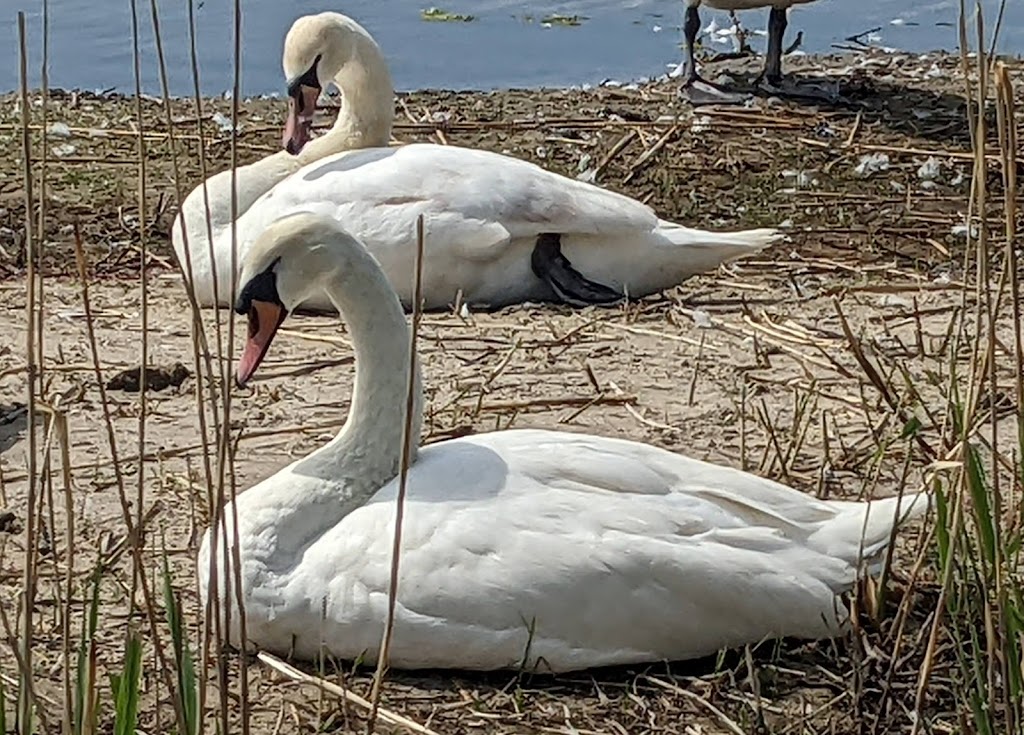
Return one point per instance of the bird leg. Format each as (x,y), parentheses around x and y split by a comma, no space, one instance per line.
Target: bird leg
(695,88)
(771,78)
(569,285)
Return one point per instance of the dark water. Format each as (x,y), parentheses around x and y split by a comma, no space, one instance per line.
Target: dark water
(505,46)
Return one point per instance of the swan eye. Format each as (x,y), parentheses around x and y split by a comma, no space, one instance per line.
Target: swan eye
(261,287)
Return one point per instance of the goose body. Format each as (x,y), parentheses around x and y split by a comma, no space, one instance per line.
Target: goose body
(737,5)
(499,230)
(700,91)
(553,550)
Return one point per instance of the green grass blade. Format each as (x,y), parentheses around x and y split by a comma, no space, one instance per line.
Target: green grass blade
(85,688)
(942,521)
(188,692)
(978,487)
(125,687)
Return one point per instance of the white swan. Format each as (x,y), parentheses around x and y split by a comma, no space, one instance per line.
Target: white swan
(502,230)
(553,549)
(700,90)
(364,120)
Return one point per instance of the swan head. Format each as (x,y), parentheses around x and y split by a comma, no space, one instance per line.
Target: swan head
(316,49)
(289,262)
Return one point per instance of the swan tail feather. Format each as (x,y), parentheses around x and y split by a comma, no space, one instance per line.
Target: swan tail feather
(728,244)
(860,532)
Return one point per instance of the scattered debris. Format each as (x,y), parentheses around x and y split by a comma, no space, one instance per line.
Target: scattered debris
(961,230)
(58,130)
(700,124)
(223,123)
(437,15)
(871,164)
(701,318)
(556,19)
(930,170)
(802,179)
(9,522)
(157,378)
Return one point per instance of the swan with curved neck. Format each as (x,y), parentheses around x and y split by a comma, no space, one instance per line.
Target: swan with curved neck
(501,230)
(334,49)
(547,549)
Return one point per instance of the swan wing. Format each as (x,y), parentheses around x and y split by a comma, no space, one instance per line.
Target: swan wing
(474,200)
(584,550)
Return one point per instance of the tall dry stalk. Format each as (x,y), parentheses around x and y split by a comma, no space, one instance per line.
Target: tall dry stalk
(23,721)
(207,395)
(225,453)
(403,474)
(44,158)
(140,122)
(134,532)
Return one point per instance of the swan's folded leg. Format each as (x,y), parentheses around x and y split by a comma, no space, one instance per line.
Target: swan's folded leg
(696,89)
(825,90)
(569,284)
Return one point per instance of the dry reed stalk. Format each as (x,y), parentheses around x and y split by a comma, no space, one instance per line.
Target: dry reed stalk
(23,716)
(58,420)
(620,145)
(322,685)
(44,157)
(203,166)
(135,534)
(696,371)
(648,154)
(205,381)
(723,718)
(1007,131)
(201,349)
(403,476)
(143,285)
(25,681)
(980,370)
(225,455)
(880,383)
(200,346)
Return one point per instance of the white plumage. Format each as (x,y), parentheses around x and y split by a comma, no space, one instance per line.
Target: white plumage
(483,214)
(558,550)
(484,211)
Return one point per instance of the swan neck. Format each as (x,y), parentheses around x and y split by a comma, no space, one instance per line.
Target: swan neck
(371,438)
(367,104)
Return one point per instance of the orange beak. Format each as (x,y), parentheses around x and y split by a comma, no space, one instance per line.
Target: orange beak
(264,320)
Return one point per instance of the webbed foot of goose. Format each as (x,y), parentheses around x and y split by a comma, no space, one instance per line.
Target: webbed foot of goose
(572,287)
(815,90)
(698,91)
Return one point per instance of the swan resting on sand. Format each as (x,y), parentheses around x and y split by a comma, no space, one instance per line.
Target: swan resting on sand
(552,550)
(499,230)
